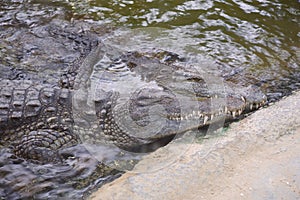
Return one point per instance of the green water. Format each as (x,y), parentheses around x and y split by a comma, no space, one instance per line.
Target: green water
(254,42)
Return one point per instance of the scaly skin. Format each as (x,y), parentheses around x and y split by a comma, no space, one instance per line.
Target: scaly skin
(151,67)
(37,119)
(44,52)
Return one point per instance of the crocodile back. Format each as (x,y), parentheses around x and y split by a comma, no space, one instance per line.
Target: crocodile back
(26,106)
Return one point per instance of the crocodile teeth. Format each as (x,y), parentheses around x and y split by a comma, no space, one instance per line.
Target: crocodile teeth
(233,114)
(240,112)
(243,98)
(211,117)
(205,120)
(257,106)
(199,114)
(226,109)
(251,106)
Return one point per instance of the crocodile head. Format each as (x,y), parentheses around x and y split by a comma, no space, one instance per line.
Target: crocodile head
(165,95)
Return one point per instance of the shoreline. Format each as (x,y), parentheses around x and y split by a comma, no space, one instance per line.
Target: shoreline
(257,158)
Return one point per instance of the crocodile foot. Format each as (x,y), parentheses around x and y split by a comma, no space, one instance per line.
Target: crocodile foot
(43,145)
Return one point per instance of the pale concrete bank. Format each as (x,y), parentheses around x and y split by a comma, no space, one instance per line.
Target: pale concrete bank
(258,158)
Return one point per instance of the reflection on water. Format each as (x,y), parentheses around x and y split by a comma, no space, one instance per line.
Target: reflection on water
(251,42)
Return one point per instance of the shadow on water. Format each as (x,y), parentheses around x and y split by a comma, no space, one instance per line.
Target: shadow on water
(251,42)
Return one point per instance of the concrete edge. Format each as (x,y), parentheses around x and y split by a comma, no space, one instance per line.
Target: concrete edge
(194,174)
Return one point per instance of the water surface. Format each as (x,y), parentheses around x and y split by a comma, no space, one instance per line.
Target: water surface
(249,42)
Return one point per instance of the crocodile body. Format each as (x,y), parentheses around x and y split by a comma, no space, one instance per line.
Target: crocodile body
(37,120)
(43,52)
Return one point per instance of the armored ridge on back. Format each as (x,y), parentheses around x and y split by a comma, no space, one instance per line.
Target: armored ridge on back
(37,119)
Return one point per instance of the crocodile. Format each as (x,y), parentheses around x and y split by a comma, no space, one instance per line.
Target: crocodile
(43,51)
(37,120)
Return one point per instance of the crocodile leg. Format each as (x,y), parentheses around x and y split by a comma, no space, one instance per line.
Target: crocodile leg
(35,119)
(43,145)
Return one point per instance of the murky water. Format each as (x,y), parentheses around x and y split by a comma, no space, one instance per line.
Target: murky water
(250,42)
(79,174)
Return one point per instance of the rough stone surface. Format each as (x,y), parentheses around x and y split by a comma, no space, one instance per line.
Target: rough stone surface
(257,158)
